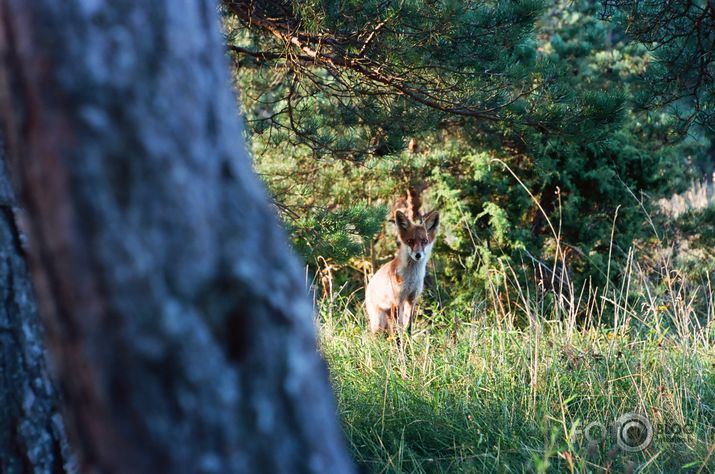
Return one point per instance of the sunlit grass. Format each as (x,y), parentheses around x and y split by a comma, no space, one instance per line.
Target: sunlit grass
(490,396)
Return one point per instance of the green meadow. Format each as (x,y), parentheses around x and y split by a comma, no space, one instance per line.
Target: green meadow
(482,393)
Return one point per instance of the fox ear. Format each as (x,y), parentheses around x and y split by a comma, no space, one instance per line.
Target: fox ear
(403,223)
(432,222)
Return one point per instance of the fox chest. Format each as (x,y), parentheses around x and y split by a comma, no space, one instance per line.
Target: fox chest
(412,282)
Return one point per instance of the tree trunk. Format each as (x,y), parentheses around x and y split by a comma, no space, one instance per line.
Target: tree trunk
(32,437)
(176,312)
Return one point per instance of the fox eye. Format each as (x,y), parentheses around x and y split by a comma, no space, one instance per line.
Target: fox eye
(410,242)
(424,241)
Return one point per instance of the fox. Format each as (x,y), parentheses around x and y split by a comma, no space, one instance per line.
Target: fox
(393,292)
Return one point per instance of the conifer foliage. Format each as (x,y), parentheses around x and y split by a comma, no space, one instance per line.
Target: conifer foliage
(544,130)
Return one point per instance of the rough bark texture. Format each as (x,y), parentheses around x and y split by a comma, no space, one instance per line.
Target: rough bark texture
(32,437)
(176,313)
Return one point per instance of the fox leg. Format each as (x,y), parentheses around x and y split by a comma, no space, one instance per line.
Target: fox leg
(377,317)
(406,316)
(392,319)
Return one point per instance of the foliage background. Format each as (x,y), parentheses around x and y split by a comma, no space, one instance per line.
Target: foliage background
(541,149)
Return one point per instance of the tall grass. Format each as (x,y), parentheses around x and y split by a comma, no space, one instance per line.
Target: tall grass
(510,384)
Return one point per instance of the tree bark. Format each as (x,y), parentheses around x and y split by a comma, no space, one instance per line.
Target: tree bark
(176,312)
(32,437)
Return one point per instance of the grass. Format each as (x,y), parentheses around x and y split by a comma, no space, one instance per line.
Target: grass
(512,388)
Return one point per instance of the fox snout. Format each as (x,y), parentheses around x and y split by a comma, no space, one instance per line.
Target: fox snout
(417,248)
(418,253)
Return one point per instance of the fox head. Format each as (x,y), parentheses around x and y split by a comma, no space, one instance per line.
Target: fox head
(417,239)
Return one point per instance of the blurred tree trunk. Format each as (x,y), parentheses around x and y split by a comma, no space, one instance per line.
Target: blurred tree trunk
(32,438)
(176,313)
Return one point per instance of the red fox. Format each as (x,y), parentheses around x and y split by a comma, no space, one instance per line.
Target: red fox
(393,292)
